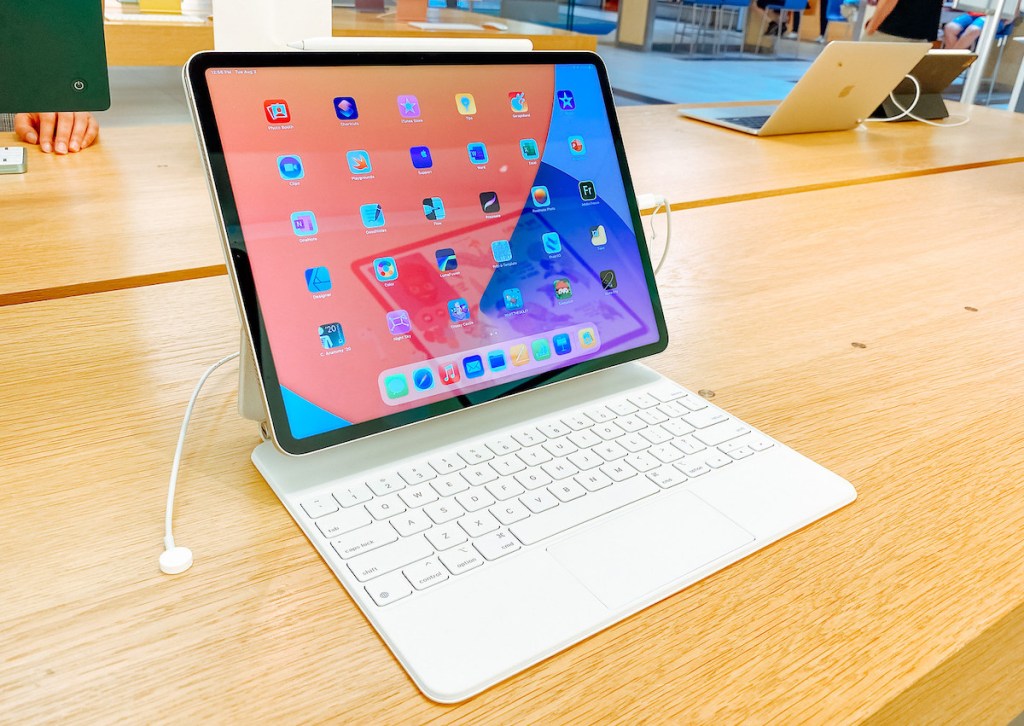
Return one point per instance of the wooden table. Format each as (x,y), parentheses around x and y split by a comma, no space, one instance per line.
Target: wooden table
(140,211)
(141,43)
(858,329)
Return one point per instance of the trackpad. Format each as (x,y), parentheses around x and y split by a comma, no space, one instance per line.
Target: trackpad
(648,548)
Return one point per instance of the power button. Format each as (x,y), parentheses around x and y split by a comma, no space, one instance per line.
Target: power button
(78,84)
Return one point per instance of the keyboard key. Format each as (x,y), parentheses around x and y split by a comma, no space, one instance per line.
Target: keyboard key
(759,444)
(651,416)
(656,435)
(571,514)
(560,447)
(554,429)
(446,536)
(642,461)
(496,544)
(622,408)
(665,453)
(534,456)
(364,540)
(633,443)
(446,464)
(717,460)
(539,501)
(741,453)
(528,437)
(477,475)
(688,445)
(643,400)
(666,477)
(385,507)
(693,403)
(385,484)
(424,574)
(704,419)
(474,500)
(584,439)
(353,494)
(478,523)
(389,588)
(318,506)
(533,478)
(475,454)
(337,524)
(584,460)
(630,424)
(692,466)
(446,486)
(677,427)
(560,469)
(593,480)
(504,445)
(417,473)
(508,465)
(418,495)
(667,392)
(389,558)
(410,523)
(599,414)
(610,451)
(445,511)
(720,433)
(505,489)
(461,559)
(672,410)
(577,421)
(618,471)
(509,512)
(608,431)
(567,491)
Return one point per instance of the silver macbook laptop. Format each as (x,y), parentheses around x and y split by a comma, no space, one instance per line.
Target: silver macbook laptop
(839,90)
(441,272)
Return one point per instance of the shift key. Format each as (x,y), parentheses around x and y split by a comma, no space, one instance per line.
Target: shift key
(390,557)
(578,511)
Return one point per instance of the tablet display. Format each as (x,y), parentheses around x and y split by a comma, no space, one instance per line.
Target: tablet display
(415,233)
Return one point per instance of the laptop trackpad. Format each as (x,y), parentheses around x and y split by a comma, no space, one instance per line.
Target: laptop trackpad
(649,547)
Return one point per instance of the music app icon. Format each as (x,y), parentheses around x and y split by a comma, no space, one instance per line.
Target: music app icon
(448,373)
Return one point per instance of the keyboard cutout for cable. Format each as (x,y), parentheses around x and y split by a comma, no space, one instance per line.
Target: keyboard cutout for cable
(649,547)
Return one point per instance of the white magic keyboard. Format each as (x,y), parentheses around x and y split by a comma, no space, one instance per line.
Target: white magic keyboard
(403,531)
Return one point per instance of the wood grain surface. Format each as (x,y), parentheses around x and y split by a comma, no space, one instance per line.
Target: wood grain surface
(850,323)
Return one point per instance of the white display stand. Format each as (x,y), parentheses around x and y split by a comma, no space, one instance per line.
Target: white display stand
(268,24)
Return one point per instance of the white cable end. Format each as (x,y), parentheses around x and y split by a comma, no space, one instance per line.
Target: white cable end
(649,201)
(175,560)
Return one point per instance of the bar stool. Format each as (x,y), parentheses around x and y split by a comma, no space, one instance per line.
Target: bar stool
(783,7)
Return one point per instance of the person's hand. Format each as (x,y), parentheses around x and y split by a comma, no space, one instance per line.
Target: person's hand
(58,132)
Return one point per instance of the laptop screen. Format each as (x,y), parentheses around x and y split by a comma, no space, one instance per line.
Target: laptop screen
(416,233)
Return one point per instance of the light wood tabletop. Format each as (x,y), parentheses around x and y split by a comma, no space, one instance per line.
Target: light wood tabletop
(149,43)
(135,209)
(850,323)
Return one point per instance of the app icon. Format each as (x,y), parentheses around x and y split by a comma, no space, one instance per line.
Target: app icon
(396,386)
(552,242)
(562,343)
(277,111)
(608,281)
(496,360)
(598,236)
(529,150)
(566,101)
(576,147)
(421,157)
(448,373)
(465,103)
(318,279)
(520,355)
(398,322)
(359,162)
(563,290)
(446,259)
(587,191)
(501,250)
(477,152)
(541,349)
(372,215)
(423,379)
(331,335)
(513,298)
(489,202)
(345,108)
(433,208)
(517,99)
(408,106)
(587,338)
(290,167)
(473,365)
(458,309)
(385,268)
(304,224)
(540,196)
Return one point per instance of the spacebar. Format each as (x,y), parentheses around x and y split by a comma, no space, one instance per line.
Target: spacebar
(578,511)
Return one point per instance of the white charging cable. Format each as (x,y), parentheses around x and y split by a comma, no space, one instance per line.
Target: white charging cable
(175,559)
(659,202)
(908,112)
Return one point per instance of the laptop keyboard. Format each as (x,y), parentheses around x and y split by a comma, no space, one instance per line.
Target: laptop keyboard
(750,122)
(403,531)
